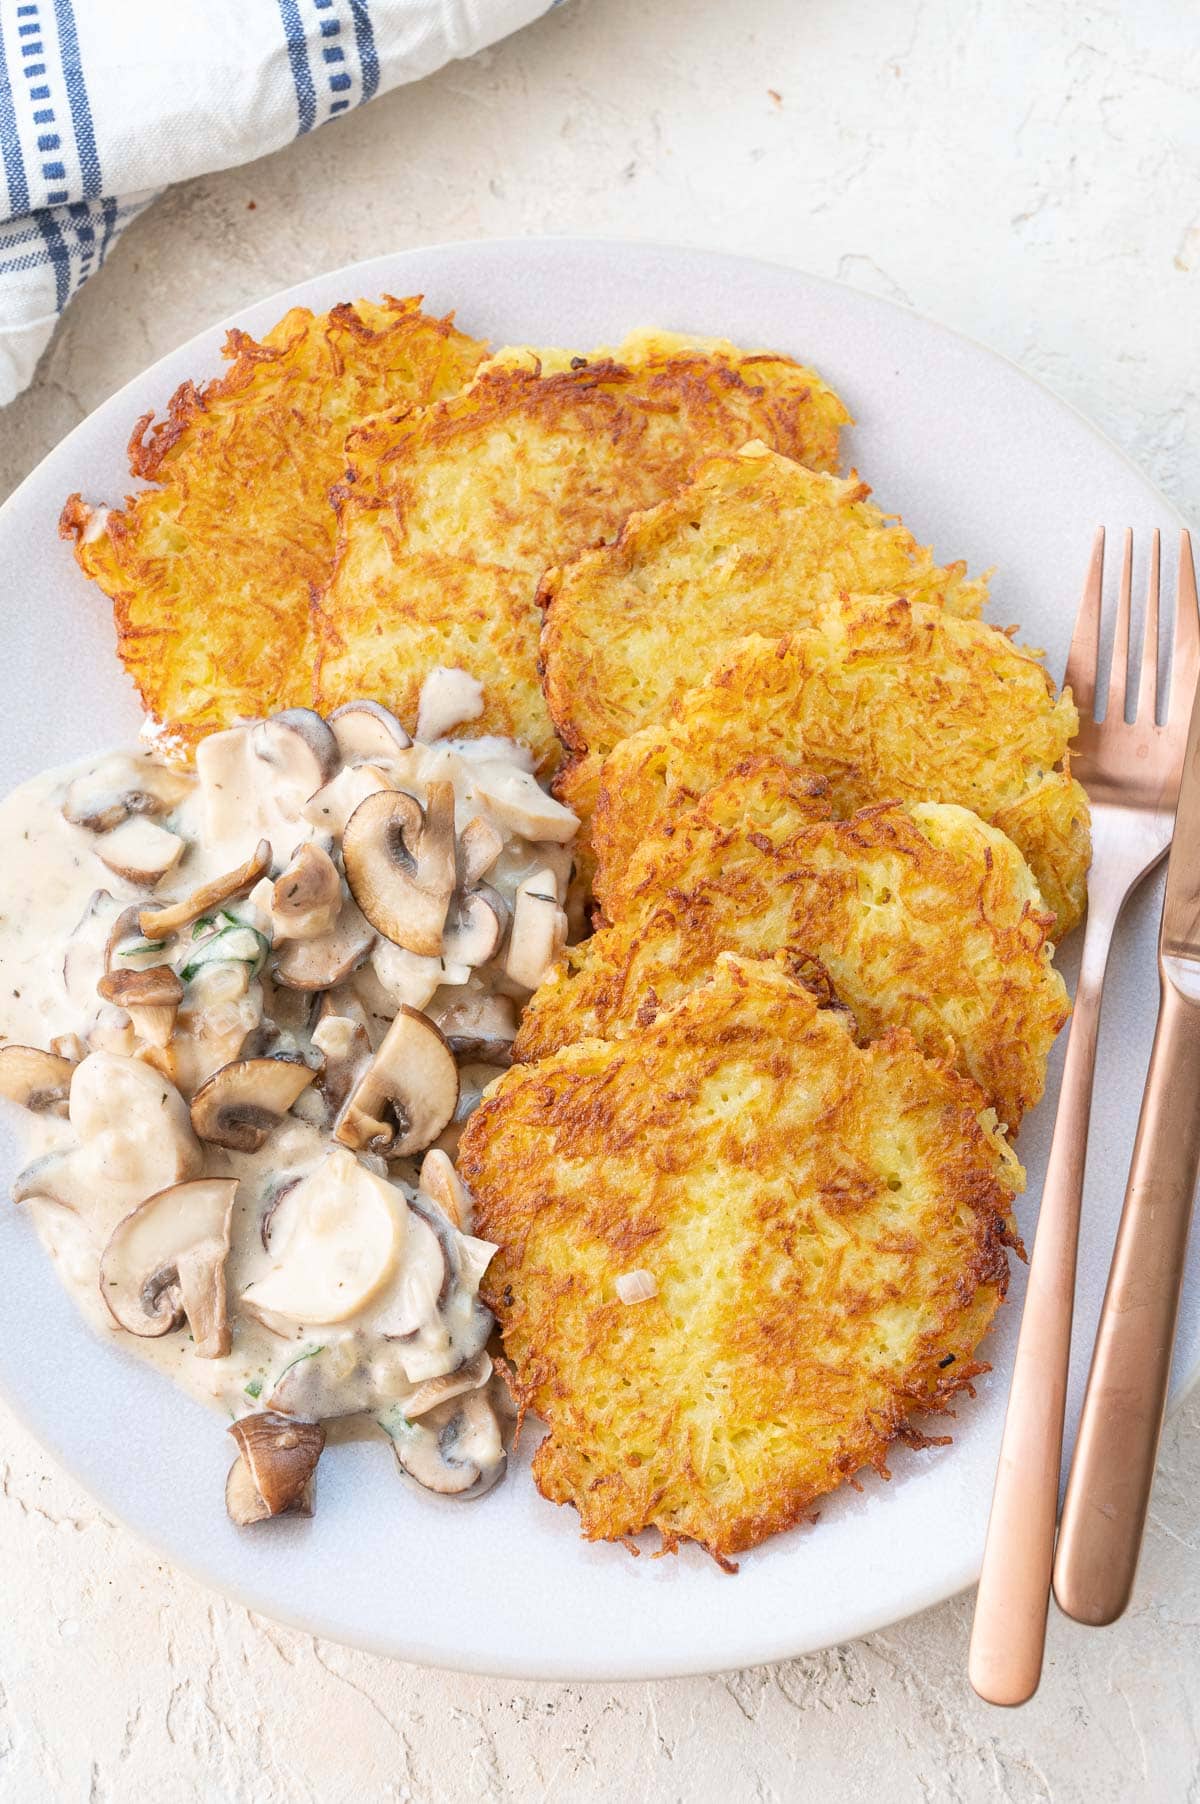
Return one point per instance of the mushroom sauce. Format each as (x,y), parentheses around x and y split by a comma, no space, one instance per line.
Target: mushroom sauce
(247,1011)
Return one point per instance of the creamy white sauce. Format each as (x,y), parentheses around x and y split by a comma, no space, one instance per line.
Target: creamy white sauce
(348,1291)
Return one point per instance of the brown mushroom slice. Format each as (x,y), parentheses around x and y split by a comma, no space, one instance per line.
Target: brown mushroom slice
(245,1101)
(448,699)
(345,1046)
(299,747)
(475,927)
(400,864)
(406,1095)
(150,996)
(478,1024)
(443,1186)
(521,805)
(40,1081)
(166,1261)
(307,896)
(159,923)
(139,851)
(539,931)
(455,1449)
(272,1475)
(330,959)
(479,846)
(116,788)
(366,730)
(127,948)
(472,1375)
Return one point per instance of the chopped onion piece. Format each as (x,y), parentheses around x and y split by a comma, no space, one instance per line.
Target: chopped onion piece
(636,1287)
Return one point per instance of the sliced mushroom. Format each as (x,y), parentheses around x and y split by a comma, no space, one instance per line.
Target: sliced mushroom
(455,1449)
(331,807)
(151,997)
(116,788)
(449,698)
(245,1101)
(443,1186)
(479,846)
(37,1080)
(423,1282)
(159,923)
(366,730)
(521,805)
(166,1261)
(475,927)
(70,1047)
(272,1475)
(307,896)
(405,976)
(346,1047)
(299,748)
(127,948)
(335,1239)
(406,1095)
(139,851)
(470,1376)
(539,931)
(330,959)
(400,865)
(478,1024)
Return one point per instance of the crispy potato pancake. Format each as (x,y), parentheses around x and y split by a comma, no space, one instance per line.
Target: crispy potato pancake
(824,1225)
(452,516)
(889,701)
(210,571)
(922,918)
(756,544)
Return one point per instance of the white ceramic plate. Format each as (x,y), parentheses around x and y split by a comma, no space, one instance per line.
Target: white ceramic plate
(984,464)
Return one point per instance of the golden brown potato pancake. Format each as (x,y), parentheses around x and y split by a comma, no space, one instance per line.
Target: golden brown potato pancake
(210,571)
(756,544)
(453,515)
(824,1226)
(889,701)
(922,918)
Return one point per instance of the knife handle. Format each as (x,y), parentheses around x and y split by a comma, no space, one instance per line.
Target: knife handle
(1108,1493)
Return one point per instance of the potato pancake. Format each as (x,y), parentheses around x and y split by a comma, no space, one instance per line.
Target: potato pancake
(922,918)
(452,515)
(823,1228)
(210,572)
(889,701)
(756,544)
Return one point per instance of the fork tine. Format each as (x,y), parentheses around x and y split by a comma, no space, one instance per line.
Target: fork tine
(1118,676)
(1084,655)
(1185,658)
(1147,696)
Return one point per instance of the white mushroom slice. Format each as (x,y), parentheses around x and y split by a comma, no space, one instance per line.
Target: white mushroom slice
(475,927)
(113,1031)
(85,957)
(443,1186)
(422,1285)
(471,1376)
(37,1080)
(307,896)
(521,805)
(273,1473)
(455,1449)
(406,976)
(139,851)
(331,807)
(245,1101)
(366,730)
(70,1047)
(299,748)
(346,1048)
(159,923)
(328,960)
(166,1261)
(134,1137)
(539,931)
(479,846)
(335,1239)
(406,1095)
(151,997)
(478,1024)
(400,865)
(449,698)
(121,786)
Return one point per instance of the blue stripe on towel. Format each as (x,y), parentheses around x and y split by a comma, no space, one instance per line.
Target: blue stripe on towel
(77,94)
(364,38)
(60,257)
(14,163)
(297,49)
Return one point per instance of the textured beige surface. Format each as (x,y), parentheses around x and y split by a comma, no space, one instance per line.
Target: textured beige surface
(1025,173)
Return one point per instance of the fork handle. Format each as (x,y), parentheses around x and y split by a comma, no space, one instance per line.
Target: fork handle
(1108,1493)
(1009,1631)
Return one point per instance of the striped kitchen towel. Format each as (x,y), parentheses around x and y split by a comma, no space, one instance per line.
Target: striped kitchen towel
(105,102)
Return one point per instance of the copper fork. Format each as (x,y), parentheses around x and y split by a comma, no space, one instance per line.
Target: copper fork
(1131,772)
